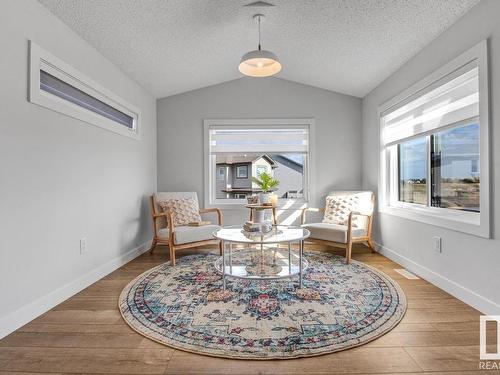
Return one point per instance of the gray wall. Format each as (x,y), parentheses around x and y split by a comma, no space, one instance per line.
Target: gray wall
(180,131)
(468,265)
(63,179)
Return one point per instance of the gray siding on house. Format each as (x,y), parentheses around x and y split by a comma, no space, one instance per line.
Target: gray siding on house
(242,182)
(220,184)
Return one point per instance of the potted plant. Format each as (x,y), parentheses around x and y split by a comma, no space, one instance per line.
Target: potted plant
(266,183)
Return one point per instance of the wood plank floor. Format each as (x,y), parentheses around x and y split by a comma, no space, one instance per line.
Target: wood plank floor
(86,334)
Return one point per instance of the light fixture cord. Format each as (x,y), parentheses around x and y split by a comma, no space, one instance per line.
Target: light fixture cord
(259,33)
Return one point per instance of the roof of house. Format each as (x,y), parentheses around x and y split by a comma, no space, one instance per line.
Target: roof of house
(242,159)
(290,163)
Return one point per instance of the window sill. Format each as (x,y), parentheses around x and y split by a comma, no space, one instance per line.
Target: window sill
(460,221)
(286,204)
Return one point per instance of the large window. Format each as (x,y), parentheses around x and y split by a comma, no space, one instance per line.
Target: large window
(237,151)
(434,140)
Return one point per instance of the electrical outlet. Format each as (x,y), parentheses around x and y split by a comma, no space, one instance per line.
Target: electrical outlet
(437,243)
(83,245)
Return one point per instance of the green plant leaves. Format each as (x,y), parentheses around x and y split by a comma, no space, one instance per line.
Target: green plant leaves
(265,182)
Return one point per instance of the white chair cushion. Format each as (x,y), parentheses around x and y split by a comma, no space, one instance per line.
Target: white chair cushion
(187,234)
(332,232)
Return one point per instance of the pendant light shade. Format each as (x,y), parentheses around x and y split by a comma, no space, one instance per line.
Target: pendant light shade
(259,63)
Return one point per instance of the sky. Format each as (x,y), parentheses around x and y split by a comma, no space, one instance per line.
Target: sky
(457,146)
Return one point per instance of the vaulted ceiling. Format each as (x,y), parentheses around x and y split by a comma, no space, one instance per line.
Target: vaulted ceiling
(173,46)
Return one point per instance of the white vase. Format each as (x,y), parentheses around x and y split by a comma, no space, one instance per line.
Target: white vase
(273,199)
(264,198)
(258,216)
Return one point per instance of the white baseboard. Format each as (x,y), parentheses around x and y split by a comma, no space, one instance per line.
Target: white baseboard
(471,298)
(25,314)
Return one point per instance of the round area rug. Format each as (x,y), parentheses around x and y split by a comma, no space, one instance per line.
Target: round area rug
(340,306)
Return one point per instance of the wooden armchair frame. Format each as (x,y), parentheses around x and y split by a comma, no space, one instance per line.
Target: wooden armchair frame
(367,239)
(158,240)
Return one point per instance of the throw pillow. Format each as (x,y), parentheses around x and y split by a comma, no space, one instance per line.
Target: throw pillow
(184,210)
(338,207)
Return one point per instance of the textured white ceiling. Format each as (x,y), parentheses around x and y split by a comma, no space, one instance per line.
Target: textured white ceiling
(173,46)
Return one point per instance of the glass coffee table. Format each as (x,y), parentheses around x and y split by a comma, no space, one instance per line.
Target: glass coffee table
(259,256)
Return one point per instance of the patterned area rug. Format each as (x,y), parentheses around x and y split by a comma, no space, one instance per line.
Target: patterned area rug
(342,306)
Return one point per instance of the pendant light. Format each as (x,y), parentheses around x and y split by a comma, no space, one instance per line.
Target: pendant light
(259,63)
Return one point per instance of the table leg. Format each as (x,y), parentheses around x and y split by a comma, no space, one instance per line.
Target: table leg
(251,214)
(289,257)
(301,254)
(274,216)
(261,256)
(230,257)
(223,266)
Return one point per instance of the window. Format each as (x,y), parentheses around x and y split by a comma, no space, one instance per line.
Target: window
(58,86)
(412,157)
(261,169)
(242,171)
(454,184)
(247,148)
(221,175)
(434,140)
(61,89)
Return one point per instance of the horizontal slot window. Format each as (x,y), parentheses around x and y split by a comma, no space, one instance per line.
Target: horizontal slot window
(58,86)
(63,90)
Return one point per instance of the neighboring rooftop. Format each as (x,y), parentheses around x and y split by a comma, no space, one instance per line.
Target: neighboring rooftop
(240,159)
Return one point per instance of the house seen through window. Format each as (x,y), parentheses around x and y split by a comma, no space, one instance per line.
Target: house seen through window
(287,168)
(241,154)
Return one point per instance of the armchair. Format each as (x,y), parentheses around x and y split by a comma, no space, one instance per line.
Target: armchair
(183,236)
(349,220)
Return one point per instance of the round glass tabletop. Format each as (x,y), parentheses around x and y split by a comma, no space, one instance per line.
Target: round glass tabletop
(279,233)
(253,263)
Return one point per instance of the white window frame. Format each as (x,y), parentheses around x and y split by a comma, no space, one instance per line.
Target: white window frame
(467,222)
(238,172)
(41,59)
(209,170)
